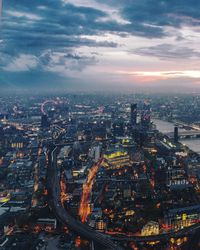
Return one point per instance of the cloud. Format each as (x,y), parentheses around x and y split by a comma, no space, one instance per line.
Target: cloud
(60,62)
(151,17)
(167,52)
(19,14)
(77,38)
(164,74)
(22,63)
(53,26)
(64,63)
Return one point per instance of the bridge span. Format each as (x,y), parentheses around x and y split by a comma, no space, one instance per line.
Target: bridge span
(190,134)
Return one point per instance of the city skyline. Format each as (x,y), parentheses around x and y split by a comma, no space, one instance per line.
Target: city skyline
(89,172)
(100,45)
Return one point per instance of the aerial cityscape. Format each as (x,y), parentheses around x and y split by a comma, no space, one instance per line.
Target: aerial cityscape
(100,171)
(99,125)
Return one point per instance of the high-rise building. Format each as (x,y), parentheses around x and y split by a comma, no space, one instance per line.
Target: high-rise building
(146,115)
(177,178)
(133,114)
(175,134)
(44,121)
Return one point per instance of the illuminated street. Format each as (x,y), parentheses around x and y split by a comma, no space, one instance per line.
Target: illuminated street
(84,209)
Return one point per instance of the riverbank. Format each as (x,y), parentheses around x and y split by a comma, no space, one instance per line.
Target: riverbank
(168,127)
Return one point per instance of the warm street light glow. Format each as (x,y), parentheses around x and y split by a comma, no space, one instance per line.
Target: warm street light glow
(84,209)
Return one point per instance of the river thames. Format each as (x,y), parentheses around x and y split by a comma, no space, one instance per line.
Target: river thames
(166,127)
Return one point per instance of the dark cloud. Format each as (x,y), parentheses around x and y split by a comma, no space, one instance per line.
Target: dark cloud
(152,16)
(167,51)
(51,24)
(36,26)
(48,34)
(56,25)
(39,27)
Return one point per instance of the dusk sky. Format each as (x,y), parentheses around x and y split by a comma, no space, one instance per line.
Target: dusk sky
(100,44)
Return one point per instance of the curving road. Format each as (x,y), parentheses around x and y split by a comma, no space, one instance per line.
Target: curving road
(86,231)
(62,215)
(165,236)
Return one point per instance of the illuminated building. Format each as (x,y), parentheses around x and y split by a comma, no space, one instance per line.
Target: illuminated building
(47,224)
(17,142)
(4,198)
(182,217)
(95,153)
(128,144)
(64,152)
(133,114)
(79,172)
(117,157)
(100,225)
(176,178)
(125,141)
(151,228)
(17,145)
(130,213)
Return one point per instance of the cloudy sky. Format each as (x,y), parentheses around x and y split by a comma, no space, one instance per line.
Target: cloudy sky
(100,44)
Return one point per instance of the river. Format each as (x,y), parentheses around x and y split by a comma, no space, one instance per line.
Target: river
(166,127)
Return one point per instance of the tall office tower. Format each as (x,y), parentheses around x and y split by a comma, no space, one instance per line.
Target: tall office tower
(146,115)
(133,114)
(44,121)
(175,134)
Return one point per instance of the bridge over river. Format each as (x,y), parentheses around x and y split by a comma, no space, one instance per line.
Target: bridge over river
(188,134)
(190,138)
